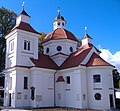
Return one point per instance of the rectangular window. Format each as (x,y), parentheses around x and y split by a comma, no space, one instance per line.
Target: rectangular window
(25,97)
(77,97)
(68,79)
(10,83)
(26,45)
(84,96)
(96,78)
(12,46)
(25,82)
(59,96)
(38,98)
(19,94)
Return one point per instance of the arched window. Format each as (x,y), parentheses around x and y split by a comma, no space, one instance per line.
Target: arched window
(29,45)
(32,93)
(26,45)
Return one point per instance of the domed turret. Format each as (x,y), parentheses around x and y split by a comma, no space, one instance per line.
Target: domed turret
(86,39)
(23,16)
(59,17)
(59,21)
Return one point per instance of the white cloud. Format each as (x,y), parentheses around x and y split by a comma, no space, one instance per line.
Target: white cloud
(114,59)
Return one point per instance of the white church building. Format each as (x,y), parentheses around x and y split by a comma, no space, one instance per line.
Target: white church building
(62,76)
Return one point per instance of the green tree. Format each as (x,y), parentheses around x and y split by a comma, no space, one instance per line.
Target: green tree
(116,78)
(7,22)
(41,37)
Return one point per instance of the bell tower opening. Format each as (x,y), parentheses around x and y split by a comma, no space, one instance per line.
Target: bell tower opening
(59,21)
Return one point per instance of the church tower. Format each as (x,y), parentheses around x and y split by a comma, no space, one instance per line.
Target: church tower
(86,39)
(22,42)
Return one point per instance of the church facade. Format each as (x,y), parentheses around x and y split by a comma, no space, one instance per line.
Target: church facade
(62,76)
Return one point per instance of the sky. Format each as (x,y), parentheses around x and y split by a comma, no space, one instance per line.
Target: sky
(102,17)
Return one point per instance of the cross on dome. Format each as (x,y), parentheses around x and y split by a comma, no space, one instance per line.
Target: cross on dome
(23,5)
(23,16)
(58,10)
(85,30)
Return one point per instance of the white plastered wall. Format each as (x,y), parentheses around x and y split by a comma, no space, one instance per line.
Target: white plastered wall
(105,87)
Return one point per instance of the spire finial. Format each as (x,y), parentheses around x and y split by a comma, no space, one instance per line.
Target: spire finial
(58,10)
(85,30)
(23,5)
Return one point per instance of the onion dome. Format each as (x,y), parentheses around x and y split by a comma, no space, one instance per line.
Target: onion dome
(60,33)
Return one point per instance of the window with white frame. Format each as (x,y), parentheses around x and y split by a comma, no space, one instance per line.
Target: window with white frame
(96,78)
(19,95)
(68,79)
(26,45)
(10,83)
(11,45)
(25,82)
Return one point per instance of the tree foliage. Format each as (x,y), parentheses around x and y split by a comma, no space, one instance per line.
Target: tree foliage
(7,22)
(116,78)
(41,37)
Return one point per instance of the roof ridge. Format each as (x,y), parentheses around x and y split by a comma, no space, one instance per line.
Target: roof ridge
(64,32)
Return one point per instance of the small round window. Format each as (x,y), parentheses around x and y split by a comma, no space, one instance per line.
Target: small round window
(58,23)
(63,24)
(71,49)
(59,48)
(47,50)
(97,96)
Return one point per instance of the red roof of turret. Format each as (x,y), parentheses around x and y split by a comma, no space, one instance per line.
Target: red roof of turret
(26,27)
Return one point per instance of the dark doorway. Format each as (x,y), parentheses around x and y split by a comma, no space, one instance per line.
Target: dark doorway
(111,101)
(10,99)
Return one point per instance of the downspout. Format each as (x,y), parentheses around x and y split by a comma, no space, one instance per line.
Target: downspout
(54,90)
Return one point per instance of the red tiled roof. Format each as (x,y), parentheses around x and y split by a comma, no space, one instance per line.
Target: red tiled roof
(60,33)
(75,58)
(88,46)
(44,61)
(26,27)
(60,79)
(96,60)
